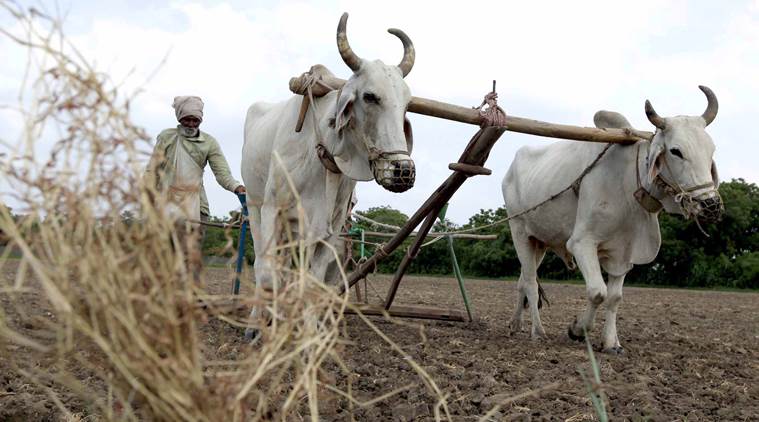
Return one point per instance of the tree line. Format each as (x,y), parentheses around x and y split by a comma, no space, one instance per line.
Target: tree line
(726,256)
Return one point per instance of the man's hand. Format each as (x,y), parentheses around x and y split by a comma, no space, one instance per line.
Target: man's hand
(240,189)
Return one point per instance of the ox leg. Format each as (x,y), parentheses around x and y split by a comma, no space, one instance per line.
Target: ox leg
(333,275)
(586,255)
(325,252)
(516,321)
(320,261)
(254,223)
(613,299)
(263,222)
(530,254)
(264,231)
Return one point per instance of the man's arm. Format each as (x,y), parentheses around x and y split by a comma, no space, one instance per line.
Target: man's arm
(220,169)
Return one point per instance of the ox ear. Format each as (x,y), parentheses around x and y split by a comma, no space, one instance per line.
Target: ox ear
(351,155)
(715,175)
(409,134)
(344,115)
(654,160)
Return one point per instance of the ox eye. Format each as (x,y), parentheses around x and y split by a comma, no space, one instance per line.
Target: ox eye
(676,152)
(371,98)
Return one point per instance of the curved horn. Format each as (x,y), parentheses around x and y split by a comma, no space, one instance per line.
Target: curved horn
(409,53)
(653,117)
(711,109)
(349,57)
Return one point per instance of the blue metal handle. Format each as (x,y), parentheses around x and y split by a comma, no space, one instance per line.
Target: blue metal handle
(241,242)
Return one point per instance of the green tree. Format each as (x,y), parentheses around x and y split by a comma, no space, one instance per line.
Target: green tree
(498,258)
(223,242)
(385,215)
(435,258)
(728,256)
(488,258)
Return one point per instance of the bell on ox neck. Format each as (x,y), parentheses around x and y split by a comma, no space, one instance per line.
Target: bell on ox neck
(647,201)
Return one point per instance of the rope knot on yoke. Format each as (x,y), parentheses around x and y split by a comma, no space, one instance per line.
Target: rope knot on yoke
(492,114)
(305,84)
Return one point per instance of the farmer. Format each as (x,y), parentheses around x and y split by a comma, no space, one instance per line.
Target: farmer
(176,169)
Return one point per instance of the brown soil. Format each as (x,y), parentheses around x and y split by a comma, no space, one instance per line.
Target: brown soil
(689,355)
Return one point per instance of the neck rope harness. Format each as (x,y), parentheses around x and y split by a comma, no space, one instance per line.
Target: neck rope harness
(682,196)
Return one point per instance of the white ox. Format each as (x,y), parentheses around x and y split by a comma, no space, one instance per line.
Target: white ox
(362,126)
(601,224)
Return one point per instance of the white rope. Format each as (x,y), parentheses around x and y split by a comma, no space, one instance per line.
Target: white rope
(375,223)
(437,235)
(432,241)
(311,81)
(214,224)
(575,183)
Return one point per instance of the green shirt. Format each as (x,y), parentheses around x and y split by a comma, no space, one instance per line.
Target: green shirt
(203,149)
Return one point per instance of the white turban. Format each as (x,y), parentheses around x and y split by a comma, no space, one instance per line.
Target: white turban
(188,105)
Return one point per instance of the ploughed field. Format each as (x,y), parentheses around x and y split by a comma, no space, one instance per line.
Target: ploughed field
(689,355)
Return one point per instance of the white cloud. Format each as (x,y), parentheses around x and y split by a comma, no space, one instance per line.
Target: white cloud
(554,60)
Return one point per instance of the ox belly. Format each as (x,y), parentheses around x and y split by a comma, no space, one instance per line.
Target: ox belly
(537,173)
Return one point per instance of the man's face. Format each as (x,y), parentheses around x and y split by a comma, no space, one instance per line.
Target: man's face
(190,121)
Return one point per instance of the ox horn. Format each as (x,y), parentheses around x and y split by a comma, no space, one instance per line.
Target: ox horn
(409,53)
(349,57)
(711,108)
(653,117)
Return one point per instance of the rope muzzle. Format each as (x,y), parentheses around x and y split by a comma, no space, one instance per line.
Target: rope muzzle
(393,170)
(701,203)
(705,207)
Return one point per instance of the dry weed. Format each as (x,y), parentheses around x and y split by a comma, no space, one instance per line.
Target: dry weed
(103,307)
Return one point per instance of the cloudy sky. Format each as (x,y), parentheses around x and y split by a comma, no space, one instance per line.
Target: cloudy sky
(556,61)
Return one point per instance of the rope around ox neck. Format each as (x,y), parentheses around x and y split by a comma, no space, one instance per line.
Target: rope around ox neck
(325,157)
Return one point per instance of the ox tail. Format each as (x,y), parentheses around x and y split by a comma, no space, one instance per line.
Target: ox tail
(542,297)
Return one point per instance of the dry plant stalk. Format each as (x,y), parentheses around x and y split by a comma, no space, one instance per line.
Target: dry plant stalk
(115,315)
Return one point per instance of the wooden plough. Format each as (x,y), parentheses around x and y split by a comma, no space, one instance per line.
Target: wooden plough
(471,163)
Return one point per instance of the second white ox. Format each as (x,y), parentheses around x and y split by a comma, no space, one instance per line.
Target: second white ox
(609,222)
(360,129)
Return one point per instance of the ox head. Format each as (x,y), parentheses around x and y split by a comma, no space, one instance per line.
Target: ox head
(374,138)
(680,162)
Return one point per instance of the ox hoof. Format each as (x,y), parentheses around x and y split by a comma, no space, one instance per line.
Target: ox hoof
(574,336)
(539,336)
(515,327)
(616,350)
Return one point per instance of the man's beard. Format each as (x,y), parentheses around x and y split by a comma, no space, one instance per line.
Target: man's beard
(188,132)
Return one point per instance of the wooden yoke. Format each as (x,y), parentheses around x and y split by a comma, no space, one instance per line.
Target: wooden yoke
(472,116)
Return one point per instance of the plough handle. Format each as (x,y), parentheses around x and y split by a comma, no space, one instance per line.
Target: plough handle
(241,242)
